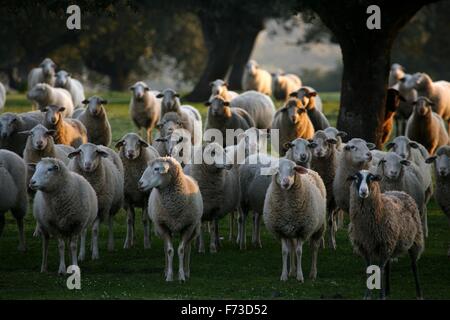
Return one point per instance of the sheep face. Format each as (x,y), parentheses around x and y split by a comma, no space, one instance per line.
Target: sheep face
(62,77)
(304,95)
(218,87)
(363,181)
(157,175)
(402,146)
(357,151)
(322,146)
(442,161)
(131,146)
(397,71)
(39,92)
(252,67)
(218,107)
(88,157)
(286,173)
(139,89)
(95,105)
(48,67)
(169,99)
(422,107)
(47,175)
(178,144)
(9,123)
(294,110)
(392,166)
(332,132)
(169,123)
(215,157)
(39,136)
(53,114)
(301,151)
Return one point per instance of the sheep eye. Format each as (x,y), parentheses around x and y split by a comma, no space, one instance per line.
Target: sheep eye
(156,169)
(353,148)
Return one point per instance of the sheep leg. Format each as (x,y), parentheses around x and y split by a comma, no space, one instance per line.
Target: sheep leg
(214,236)
(181,251)
(315,244)
(73,250)
(242,237)
(146,224)
(62,262)
(2,222)
(239,224)
(292,268)
(368,293)
(129,240)
(44,252)
(187,260)
(298,251)
(201,241)
(382,266)
(231,226)
(413,257)
(110,233)
(149,135)
(169,256)
(95,230)
(256,230)
(22,246)
(425,220)
(82,245)
(284,256)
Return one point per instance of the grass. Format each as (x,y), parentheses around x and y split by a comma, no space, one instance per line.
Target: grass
(230,274)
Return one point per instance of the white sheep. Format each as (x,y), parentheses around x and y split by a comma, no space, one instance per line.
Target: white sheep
(310,99)
(65,206)
(45,95)
(45,73)
(65,80)
(404,110)
(13,191)
(283,84)
(175,206)
(95,119)
(294,211)
(396,73)
(259,106)
(220,88)
(256,78)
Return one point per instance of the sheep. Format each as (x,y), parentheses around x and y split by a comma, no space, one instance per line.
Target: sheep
(325,161)
(307,97)
(426,126)
(442,173)
(299,151)
(219,185)
(103,169)
(356,156)
(2,96)
(45,95)
(13,191)
(135,154)
(64,207)
(334,133)
(294,211)
(393,99)
(396,73)
(10,126)
(145,108)
(383,226)
(95,119)
(45,73)
(65,80)
(220,88)
(256,78)
(259,106)
(175,206)
(70,132)
(404,110)
(190,117)
(222,117)
(313,99)
(438,92)
(40,144)
(292,122)
(283,84)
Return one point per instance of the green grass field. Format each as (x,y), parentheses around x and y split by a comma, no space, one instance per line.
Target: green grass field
(229,274)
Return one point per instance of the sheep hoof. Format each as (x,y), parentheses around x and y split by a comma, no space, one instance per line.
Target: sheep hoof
(169,278)
(313,276)
(284,277)
(95,256)
(147,244)
(62,270)
(181,277)
(43,269)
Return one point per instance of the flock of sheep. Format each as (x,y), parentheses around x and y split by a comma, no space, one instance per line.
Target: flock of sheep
(59,156)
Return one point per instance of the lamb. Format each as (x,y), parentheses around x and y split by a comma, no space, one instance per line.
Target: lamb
(45,73)
(222,117)
(392,104)
(70,132)
(442,173)
(438,92)
(426,126)
(2,96)
(190,117)
(383,226)
(404,110)
(307,97)
(396,73)
(299,151)
(324,162)
(294,211)
(219,185)
(103,169)
(259,106)
(145,108)
(283,84)
(13,191)
(95,119)
(336,134)
(135,154)
(45,95)
(256,78)
(10,126)
(220,88)
(65,80)
(40,144)
(293,122)
(356,156)
(65,206)
(175,206)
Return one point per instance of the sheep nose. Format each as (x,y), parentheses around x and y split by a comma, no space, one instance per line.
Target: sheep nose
(443,172)
(303,157)
(402,155)
(32,184)
(53,119)
(369,156)
(392,173)
(130,154)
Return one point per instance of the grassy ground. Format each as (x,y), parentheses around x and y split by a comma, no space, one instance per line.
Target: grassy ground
(230,274)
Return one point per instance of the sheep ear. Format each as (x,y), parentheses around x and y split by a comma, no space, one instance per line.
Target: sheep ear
(371,145)
(211,84)
(347,148)
(146,89)
(293,94)
(74,154)
(177,95)
(207,103)
(332,140)
(32,166)
(414,145)
(119,144)
(102,153)
(85,101)
(352,177)
(225,84)
(51,132)
(402,79)
(401,98)
(342,134)
(104,101)
(159,125)
(161,139)
(390,145)
(312,94)
(375,177)
(25,133)
(430,159)
(300,170)
(288,145)
(159,95)
(405,162)
(132,88)
(226,103)
(143,143)
(44,109)
(227,111)
(312,144)
(61,109)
